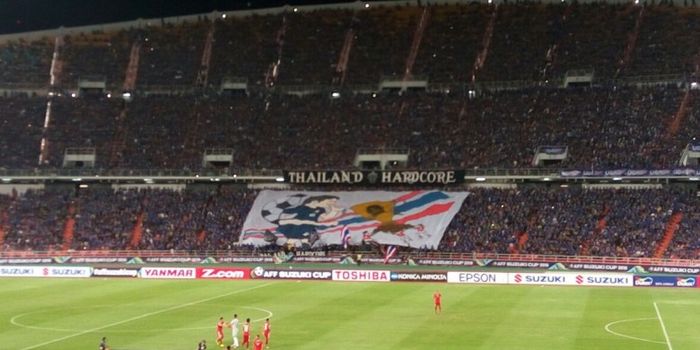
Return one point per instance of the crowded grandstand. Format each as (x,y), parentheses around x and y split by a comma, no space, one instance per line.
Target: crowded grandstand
(571,125)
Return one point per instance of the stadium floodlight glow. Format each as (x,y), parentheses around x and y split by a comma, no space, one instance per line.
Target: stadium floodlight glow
(366,5)
(126,95)
(83,186)
(148,181)
(690,178)
(6,179)
(694,86)
(77,179)
(335,94)
(546,179)
(617,179)
(279,179)
(235,176)
(480,179)
(490,1)
(109,95)
(296,9)
(223,15)
(73,95)
(51,93)
(636,2)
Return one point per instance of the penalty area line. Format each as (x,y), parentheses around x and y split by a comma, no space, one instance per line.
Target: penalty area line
(663,327)
(148,314)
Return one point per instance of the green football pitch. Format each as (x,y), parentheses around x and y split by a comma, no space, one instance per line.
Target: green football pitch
(74,314)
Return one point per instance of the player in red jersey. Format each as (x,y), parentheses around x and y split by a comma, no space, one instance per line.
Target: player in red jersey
(257,344)
(220,332)
(246,333)
(266,331)
(437,299)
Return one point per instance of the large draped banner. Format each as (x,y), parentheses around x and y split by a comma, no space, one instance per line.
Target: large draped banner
(416,219)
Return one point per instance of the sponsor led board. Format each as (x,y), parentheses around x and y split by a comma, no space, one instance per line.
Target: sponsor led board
(167,272)
(362,275)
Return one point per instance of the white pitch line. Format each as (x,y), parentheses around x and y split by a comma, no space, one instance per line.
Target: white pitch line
(608,328)
(148,314)
(663,327)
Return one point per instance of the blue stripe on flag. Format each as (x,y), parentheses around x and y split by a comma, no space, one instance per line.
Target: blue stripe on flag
(401,208)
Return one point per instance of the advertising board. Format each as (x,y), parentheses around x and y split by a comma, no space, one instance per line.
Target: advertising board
(168,272)
(665,281)
(290,274)
(418,276)
(362,275)
(114,272)
(227,273)
(474,277)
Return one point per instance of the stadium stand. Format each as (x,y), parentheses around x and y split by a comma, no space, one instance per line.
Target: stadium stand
(244,48)
(482,119)
(534,220)
(24,62)
(604,128)
(171,54)
(22,121)
(99,55)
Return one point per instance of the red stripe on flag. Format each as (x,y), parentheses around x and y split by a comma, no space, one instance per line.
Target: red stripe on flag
(406,196)
(434,209)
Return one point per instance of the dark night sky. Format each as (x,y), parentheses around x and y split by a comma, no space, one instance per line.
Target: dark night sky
(27,15)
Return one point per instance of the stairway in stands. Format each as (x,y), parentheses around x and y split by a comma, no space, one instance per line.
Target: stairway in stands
(55,79)
(685,105)
(191,152)
(201,234)
(485,44)
(3,226)
(132,69)
(137,231)
(679,116)
(69,227)
(342,67)
(600,226)
(273,69)
(671,228)
(415,45)
(631,43)
(119,139)
(553,50)
(203,74)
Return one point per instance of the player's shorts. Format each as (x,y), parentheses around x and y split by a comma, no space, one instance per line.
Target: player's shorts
(266,334)
(246,337)
(219,335)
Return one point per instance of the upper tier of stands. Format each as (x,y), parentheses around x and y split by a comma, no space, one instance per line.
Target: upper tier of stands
(606,126)
(521,41)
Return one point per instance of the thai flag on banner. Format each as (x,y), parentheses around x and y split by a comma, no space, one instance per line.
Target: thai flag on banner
(415,219)
(389,253)
(345,237)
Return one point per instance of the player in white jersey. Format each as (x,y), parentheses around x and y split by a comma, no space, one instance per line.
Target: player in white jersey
(234,330)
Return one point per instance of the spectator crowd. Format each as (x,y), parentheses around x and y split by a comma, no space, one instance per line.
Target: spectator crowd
(605,125)
(603,128)
(531,220)
(521,41)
